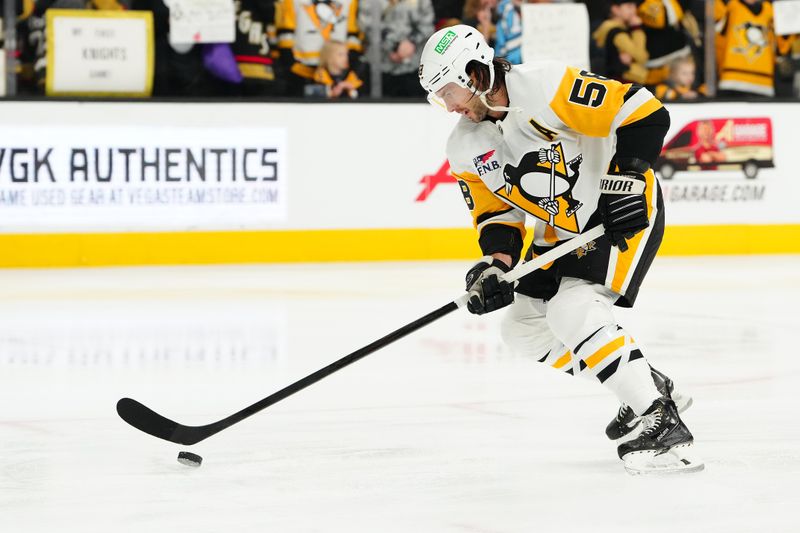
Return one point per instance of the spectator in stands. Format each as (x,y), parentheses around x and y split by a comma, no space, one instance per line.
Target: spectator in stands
(447,13)
(303,26)
(680,84)
(746,48)
(622,38)
(334,78)
(508,37)
(255,23)
(669,31)
(405,27)
(481,14)
(794,66)
(179,69)
(22,10)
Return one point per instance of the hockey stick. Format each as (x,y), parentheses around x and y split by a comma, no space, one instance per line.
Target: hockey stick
(553,186)
(145,419)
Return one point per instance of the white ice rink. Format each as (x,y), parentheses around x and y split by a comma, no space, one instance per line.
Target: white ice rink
(444,431)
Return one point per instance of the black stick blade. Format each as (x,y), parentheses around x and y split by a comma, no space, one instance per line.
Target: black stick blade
(145,419)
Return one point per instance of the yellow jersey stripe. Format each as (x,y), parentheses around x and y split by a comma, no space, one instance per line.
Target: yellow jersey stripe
(519,225)
(484,201)
(642,111)
(312,54)
(550,236)
(468,176)
(563,360)
(625,259)
(604,352)
(594,121)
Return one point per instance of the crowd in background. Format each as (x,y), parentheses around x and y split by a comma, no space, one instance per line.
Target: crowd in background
(320,48)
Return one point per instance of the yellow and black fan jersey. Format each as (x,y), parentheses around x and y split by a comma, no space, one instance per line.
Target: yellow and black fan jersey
(616,38)
(667,92)
(323,77)
(252,48)
(746,48)
(303,26)
(666,41)
(546,158)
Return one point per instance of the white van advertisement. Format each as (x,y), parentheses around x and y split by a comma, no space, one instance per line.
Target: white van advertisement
(731,164)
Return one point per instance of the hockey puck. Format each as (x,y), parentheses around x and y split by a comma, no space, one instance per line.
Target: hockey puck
(189,459)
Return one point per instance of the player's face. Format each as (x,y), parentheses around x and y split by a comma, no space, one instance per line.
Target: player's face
(457,99)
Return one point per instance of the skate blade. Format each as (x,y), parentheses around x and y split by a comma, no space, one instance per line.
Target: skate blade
(676,460)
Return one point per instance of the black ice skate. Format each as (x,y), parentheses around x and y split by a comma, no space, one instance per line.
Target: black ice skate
(627,421)
(664,446)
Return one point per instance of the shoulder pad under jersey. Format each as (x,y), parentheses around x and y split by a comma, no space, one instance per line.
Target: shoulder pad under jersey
(470,142)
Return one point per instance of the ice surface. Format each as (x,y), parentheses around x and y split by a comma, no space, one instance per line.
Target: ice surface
(444,431)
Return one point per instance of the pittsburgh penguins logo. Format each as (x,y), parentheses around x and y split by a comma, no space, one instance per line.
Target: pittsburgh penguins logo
(541,184)
(583,251)
(751,40)
(325,14)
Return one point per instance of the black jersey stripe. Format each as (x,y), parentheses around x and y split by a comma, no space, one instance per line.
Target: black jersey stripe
(608,371)
(635,88)
(580,344)
(486,216)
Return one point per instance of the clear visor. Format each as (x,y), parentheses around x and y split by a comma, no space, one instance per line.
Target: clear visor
(450,95)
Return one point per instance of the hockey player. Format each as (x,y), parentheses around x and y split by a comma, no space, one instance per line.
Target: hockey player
(557,144)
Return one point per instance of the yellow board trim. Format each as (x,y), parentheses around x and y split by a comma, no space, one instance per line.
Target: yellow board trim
(147,16)
(604,352)
(221,247)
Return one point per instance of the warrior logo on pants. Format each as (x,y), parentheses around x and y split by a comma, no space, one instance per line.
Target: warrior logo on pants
(541,184)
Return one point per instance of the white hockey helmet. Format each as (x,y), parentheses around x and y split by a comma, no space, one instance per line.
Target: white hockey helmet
(446,55)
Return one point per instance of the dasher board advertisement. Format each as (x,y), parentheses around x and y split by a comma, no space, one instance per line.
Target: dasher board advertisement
(106,179)
(353,167)
(731,164)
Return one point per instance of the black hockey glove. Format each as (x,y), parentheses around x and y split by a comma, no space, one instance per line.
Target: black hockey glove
(622,207)
(487,292)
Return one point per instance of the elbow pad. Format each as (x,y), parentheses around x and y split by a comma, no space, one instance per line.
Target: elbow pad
(632,164)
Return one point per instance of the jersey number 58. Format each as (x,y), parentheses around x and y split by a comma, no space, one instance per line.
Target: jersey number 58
(586,92)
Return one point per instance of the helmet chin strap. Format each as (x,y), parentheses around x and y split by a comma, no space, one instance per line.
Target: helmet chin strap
(482,95)
(497,107)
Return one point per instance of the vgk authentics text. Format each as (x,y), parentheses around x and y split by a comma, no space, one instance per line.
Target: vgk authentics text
(105,165)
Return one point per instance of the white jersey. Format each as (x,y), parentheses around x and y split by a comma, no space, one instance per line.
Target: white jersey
(547,156)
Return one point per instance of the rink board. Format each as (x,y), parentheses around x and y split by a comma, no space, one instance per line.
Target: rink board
(171,183)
